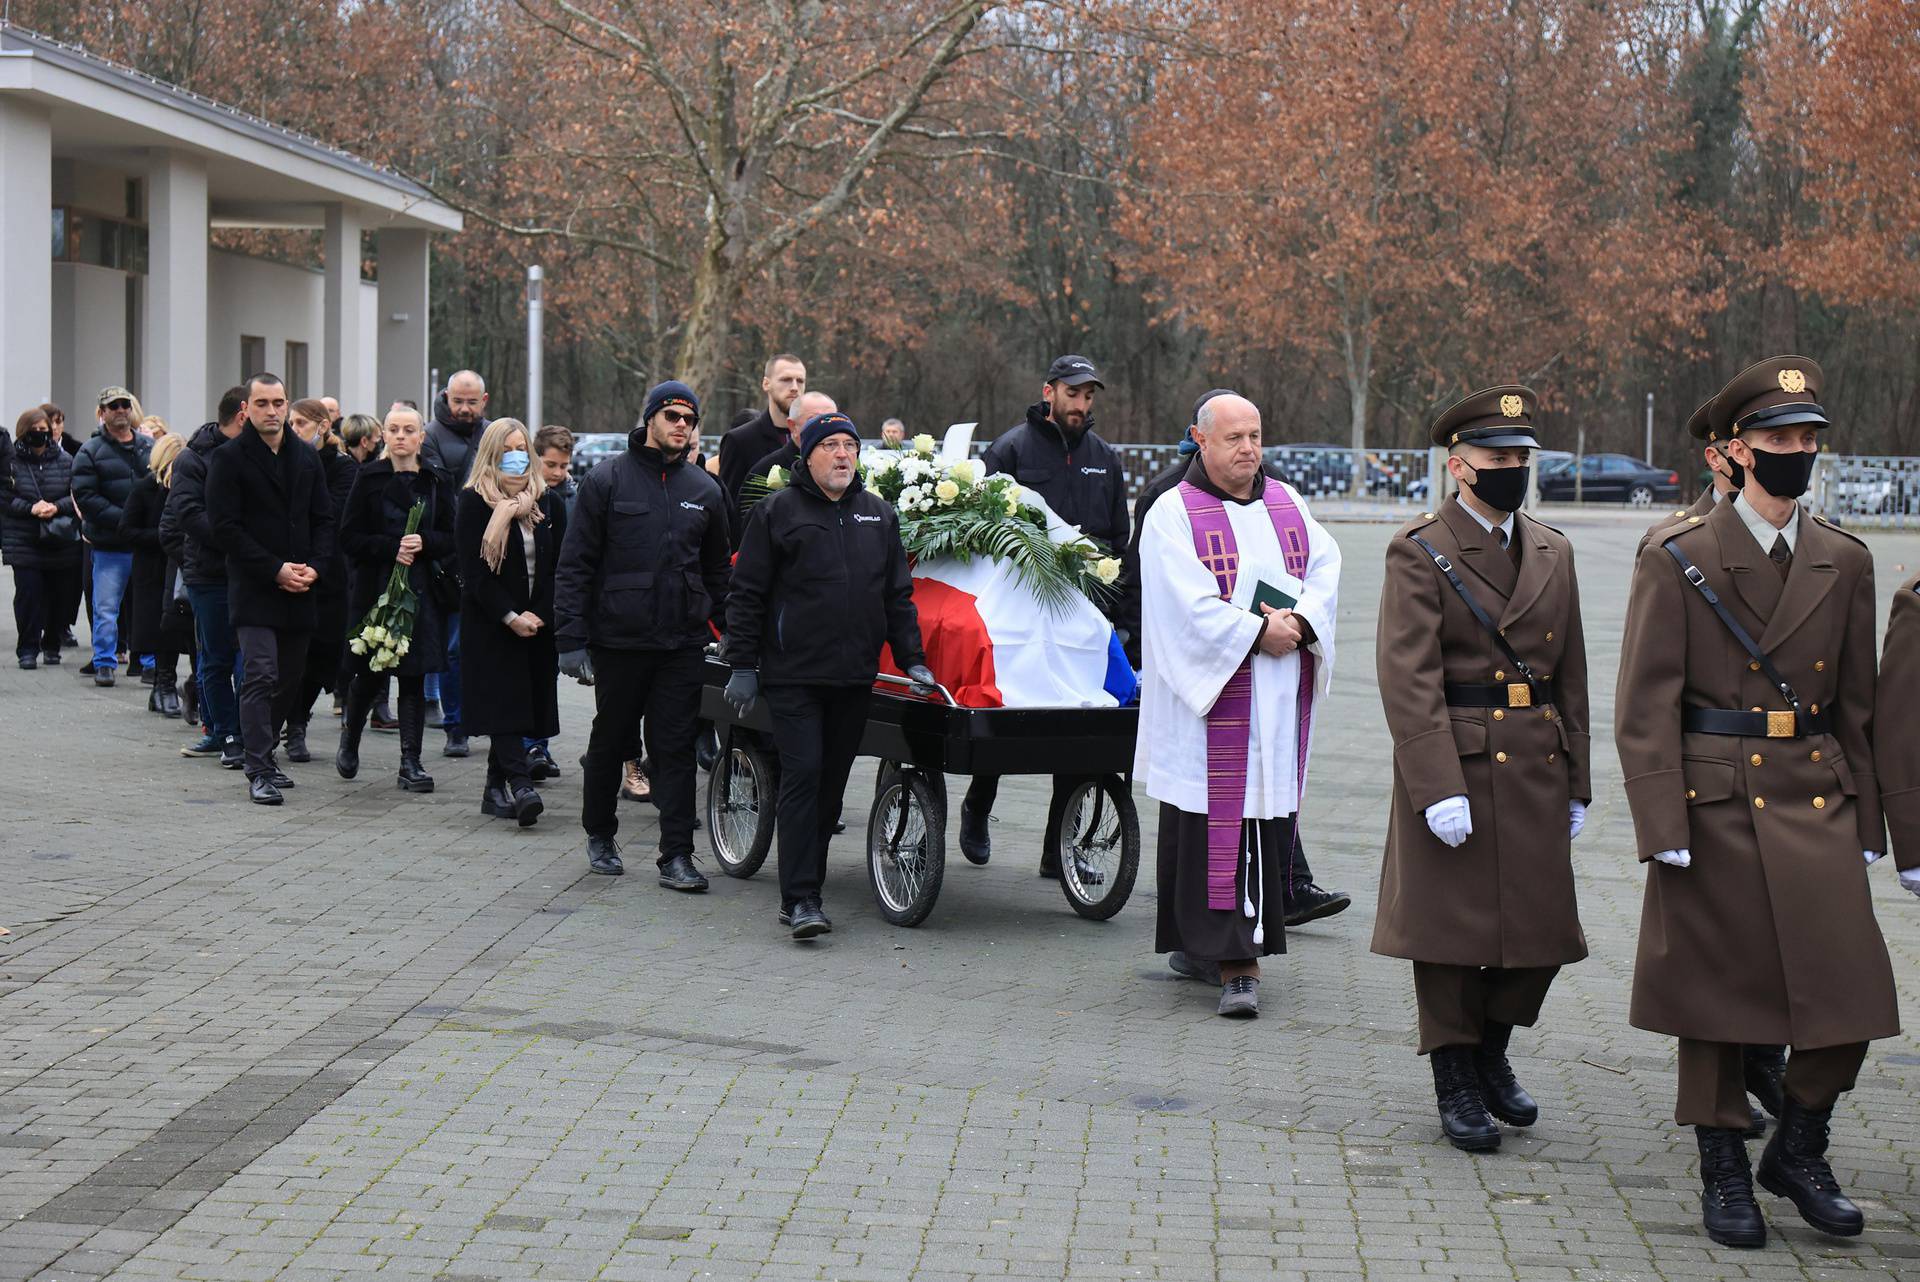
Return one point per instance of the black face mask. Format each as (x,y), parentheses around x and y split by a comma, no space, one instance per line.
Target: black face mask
(1503,489)
(38,440)
(1736,475)
(1785,476)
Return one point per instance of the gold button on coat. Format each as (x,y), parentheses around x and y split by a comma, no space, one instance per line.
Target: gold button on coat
(1759,803)
(1499,714)
(1816,754)
(1819,665)
(1753,665)
(1819,803)
(1549,636)
(1499,756)
(1755,759)
(1499,675)
(1691,794)
(1552,757)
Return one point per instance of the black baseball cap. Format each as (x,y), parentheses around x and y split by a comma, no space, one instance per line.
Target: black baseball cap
(1073,371)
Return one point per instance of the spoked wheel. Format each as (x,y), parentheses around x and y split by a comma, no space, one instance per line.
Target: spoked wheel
(706,745)
(936,783)
(906,847)
(1095,834)
(740,794)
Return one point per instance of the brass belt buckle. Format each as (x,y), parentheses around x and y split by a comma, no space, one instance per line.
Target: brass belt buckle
(1780,725)
(1519,695)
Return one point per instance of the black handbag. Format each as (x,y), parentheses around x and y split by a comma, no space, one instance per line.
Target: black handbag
(59,531)
(443,588)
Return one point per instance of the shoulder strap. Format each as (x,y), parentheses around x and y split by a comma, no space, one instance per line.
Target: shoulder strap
(1693,575)
(1486,621)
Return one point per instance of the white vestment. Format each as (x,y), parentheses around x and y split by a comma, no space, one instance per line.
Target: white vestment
(1192,642)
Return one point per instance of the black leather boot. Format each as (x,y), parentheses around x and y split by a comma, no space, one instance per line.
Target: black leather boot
(167,692)
(190,700)
(1794,1166)
(1463,1114)
(1502,1093)
(976,843)
(297,741)
(1765,1069)
(1727,1210)
(353,721)
(413,728)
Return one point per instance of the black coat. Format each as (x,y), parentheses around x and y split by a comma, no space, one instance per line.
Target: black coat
(1081,480)
(645,561)
(47,475)
(147,587)
(330,594)
(449,446)
(185,531)
(745,445)
(819,587)
(370,531)
(506,680)
(269,510)
(103,475)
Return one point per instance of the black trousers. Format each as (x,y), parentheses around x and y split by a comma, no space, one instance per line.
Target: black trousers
(663,687)
(507,762)
(43,599)
(817,731)
(271,661)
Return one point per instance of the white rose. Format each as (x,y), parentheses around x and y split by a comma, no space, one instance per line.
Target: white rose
(384,659)
(1013,493)
(946,491)
(406,644)
(1107,569)
(776,478)
(923,444)
(965,472)
(357,646)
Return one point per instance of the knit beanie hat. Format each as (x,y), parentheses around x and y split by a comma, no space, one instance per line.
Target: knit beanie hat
(1187,444)
(821,426)
(671,392)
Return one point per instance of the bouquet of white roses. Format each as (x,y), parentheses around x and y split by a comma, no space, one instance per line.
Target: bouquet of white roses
(952,510)
(386,634)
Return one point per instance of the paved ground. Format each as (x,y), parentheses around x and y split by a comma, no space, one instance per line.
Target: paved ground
(376,1034)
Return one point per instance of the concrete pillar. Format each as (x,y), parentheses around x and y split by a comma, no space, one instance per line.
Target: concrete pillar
(174,344)
(26,259)
(402,372)
(342,331)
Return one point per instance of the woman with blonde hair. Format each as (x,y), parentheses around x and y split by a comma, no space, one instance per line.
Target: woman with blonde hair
(159,619)
(508,533)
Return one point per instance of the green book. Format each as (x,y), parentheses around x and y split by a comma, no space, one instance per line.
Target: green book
(1264,593)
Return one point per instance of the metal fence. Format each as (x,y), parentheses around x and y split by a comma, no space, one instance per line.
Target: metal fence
(1872,490)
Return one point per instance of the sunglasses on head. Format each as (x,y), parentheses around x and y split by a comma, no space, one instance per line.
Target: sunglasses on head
(119,405)
(676,417)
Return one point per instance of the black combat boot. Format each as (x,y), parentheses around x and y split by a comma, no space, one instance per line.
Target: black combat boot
(1463,1114)
(413,728)
(1765,1069)
(1794,1166)
(1502,1093)
(1727,1209)
(976,843)
(353,721)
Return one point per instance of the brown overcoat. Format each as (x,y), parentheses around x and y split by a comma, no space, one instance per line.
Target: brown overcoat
(1702,508)
(1896,725)
(1769,936)
(1505,896)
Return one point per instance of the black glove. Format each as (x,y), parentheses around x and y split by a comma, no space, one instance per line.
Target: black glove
(743,691)
(924,682)
(576,663)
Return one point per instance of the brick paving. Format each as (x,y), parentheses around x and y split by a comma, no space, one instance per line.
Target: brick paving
(371,1034)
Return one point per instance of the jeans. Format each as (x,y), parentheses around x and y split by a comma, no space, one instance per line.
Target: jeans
(663,686)
(213,636)
(272,660)
(450,678)
(817,730)
(111,570)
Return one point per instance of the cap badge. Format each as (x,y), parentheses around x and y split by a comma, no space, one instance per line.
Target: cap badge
(1793,380)
(1512,405)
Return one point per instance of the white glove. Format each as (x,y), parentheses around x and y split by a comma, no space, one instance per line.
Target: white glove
(1910,879)
(1451,820)
(1871,855)
(1576,818)
(1676,858)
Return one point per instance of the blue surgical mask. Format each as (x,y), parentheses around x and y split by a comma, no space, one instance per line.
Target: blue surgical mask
(515,462)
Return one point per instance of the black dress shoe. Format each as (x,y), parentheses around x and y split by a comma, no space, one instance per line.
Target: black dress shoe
(1794,1166)
(526,804)
(28,663)
(51,658)
(103,676)
(808,920)
(1765,1070)
(1727,1210)
(1308,902)
(456,745)
(976,843)
(1463,1114)
(678,873)
(496,802)
(281,779)
(1500,1091)
(261,792)
(542,766)
(603,857)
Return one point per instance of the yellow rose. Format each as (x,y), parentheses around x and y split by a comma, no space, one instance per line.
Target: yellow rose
(964,472)
(946,491)
(923,444)
(1107,569)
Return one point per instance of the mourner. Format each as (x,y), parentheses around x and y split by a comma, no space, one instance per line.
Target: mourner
(820,586)
(1483,676)
(1056,454)
(787,454)
(186,528)
(1303,900)
(642,584)
(782,382)
(1745,702)
(1239,591)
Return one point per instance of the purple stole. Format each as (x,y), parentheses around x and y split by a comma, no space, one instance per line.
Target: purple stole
(1230,718)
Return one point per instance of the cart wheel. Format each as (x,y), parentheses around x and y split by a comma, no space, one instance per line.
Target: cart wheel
(706,745)
(936,783)
(740,794)
(906,856)
(1095,834)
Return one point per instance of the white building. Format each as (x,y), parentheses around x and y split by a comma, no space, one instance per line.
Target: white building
(110,182)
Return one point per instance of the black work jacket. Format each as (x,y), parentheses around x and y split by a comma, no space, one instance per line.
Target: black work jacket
(1080,479)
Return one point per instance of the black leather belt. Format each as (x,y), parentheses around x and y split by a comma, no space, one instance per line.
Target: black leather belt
(1512,694)
(1755,725)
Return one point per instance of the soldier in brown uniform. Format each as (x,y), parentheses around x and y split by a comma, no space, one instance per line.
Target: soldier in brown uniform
(1896,731)
(1743,717)
(1728,476)
(1483,674)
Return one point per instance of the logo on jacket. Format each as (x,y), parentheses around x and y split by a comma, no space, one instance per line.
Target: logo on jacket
(691,507)
(1093,471)
(862,516)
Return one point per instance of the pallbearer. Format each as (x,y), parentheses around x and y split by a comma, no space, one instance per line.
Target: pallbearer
(1483,673)
(1743,720)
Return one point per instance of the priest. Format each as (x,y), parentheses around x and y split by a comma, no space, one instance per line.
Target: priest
(1238,590)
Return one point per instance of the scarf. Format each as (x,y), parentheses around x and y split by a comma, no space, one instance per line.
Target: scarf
(511,499)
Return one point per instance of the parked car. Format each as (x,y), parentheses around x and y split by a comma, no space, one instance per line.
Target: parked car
(590,447)
(1605,478)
